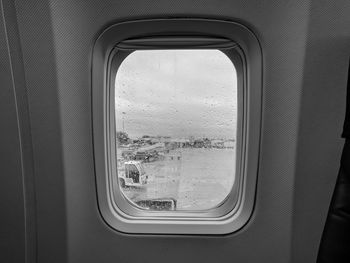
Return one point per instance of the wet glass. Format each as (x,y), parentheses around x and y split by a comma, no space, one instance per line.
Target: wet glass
(176,121)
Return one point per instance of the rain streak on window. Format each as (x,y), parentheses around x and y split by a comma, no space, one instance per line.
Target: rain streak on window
(176,121)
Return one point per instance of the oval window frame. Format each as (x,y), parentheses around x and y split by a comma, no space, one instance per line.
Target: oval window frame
(241,46)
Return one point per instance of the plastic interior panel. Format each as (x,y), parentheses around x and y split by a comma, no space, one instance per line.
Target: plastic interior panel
(305,49)
(231,204)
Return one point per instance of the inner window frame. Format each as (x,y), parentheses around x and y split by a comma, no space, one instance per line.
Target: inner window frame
(226,207)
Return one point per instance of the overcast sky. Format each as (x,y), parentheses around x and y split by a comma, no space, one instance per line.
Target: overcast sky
(177,93)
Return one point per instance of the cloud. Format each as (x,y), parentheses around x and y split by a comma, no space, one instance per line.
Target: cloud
(177,93)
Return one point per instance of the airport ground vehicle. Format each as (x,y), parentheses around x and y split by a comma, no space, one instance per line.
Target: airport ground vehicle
(146,156)
(132,174)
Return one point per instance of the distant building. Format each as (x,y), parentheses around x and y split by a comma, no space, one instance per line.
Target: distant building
(217,143)
(198,143)
(181,143)
(177,143)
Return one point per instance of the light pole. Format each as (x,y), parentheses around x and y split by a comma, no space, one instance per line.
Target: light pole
(123,120)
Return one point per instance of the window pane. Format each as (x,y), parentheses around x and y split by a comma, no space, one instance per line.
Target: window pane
(176,121)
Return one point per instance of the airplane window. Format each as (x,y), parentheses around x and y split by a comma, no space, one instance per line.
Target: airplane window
(176,118)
